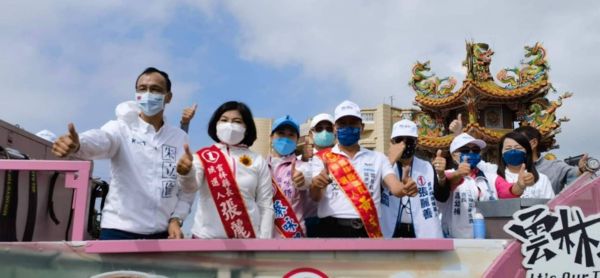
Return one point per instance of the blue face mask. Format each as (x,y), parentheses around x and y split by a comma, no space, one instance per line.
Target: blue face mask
(150,103)
(514,157)
(348,136)
(472,158)
(284,145)
(324,138)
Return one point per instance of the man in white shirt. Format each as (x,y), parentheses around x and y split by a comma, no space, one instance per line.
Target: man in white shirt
(319,137)
(416,217)
(349,205)
(144,200)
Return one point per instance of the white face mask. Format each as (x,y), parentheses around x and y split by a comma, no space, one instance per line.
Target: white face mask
(230,133)
(150,103)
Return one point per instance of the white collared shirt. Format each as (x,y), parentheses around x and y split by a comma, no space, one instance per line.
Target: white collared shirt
(371,166)
(144,192)
(254,183)
(541,189)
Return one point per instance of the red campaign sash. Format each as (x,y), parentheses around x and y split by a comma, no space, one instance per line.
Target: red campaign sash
(226,194)
(354,188)
(286,220)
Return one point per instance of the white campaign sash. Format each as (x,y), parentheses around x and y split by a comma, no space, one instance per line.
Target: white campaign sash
(426,219)
(458,210)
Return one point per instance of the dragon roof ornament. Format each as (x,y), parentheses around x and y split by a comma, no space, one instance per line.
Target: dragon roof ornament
(521,96)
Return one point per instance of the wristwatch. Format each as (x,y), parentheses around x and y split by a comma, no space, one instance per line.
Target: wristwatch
(179,221)
(592,165)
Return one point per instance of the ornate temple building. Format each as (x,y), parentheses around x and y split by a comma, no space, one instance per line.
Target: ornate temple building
(489,107)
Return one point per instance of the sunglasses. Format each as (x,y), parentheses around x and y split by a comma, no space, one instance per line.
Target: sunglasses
(321,128)
(406,140)
(468,150)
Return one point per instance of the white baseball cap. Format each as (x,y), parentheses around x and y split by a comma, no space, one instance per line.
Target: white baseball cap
(404,128)
(347,108)
(321,117)
(463,139)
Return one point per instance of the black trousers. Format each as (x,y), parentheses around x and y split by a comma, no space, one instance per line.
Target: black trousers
(114,234)
(404,230)
(341,227)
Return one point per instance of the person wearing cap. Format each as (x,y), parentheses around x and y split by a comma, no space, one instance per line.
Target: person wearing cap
(233,183)
(291,179)
(347,181)
(320,137)
(468,183)
(416,216)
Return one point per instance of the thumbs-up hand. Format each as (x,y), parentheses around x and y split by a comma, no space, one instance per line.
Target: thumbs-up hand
(464,168)
(184,165)
(525,178)
(66,144)
(322,180)
(307,149)
(456,126)
(410,186)
(439,163)
(188,114)
(297,176)
(396,151)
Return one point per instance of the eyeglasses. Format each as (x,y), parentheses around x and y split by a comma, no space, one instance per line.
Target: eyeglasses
(468,150)
(321,128)
(406,140)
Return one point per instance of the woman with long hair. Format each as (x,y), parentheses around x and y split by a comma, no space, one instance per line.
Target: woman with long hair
(517,168)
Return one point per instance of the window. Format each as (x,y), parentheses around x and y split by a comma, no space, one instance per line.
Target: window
(367,117)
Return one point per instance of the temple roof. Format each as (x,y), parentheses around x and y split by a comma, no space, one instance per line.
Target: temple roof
(516,94)
(487,90)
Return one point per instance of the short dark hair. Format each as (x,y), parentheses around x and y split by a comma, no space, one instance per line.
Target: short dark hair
(250,135)
(153,70)
(532,133)
(523,141)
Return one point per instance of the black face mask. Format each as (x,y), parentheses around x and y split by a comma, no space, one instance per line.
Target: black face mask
(411,146)
(409,151)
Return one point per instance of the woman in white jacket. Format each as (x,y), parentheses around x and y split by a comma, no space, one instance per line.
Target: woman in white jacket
(516,162)
(234,183)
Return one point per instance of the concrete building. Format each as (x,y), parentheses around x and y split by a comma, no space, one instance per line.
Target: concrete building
(378,125)
(262,145)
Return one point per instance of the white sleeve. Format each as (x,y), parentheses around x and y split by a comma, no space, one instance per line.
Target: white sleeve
(100,143)
(487,167)
(264,199)
(546,187)
(316,166)
(184,204)
(307,172)
(190,183)
(386,167)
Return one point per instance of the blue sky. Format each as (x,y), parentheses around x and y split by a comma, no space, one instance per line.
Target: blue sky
(74,61)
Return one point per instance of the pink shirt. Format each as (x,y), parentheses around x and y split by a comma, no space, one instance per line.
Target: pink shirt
(503,188)
(281,170)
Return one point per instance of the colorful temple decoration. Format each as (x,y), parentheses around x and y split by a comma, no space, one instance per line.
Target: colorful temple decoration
(489,108)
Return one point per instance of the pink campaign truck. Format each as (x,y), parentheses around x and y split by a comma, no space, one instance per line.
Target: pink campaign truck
(47,230)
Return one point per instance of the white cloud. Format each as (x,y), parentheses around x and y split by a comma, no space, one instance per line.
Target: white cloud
(66,60)
(370,46)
